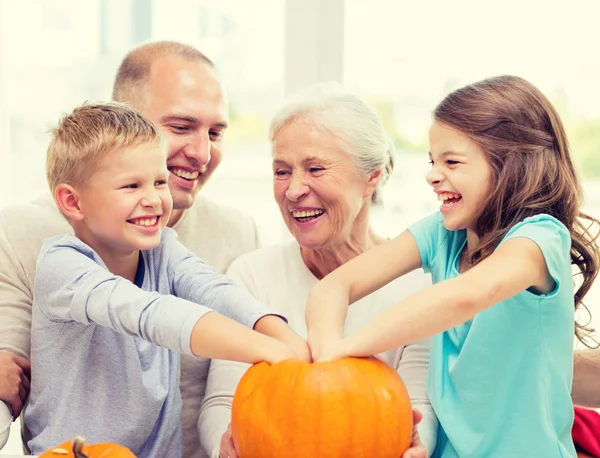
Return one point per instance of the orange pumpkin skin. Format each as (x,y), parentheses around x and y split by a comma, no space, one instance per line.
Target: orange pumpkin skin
(350,408)
(103,450)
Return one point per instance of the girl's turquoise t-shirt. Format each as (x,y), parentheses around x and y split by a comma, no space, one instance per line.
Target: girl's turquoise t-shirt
(500,383)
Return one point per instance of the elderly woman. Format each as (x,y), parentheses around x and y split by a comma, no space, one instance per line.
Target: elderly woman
(331,156)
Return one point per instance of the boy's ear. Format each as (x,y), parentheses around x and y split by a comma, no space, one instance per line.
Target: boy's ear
(67,199)
(372,182)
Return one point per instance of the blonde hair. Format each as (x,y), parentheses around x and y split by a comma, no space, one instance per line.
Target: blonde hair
(88,134)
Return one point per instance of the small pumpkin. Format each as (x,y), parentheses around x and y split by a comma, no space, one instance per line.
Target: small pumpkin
(77,449)
(349,408)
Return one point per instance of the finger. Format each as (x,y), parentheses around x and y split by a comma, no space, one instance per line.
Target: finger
(23,363)
(15,405)
(25,382)
(417,416)
(416,452)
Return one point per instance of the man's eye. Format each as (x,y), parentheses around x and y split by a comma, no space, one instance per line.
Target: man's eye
(178,128)
(216,135)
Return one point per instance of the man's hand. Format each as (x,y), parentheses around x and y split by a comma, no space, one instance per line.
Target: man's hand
(227,446)
(14,381)
(417,449)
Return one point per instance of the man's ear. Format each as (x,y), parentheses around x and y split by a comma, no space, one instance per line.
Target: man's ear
(372,182)
(68,200)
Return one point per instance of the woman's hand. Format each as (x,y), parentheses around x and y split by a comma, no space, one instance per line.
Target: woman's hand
(417,449)
(14,381)
(227,449)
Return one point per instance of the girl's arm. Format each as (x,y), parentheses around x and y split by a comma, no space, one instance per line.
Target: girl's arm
(328,301)
(586,378)
(514,267)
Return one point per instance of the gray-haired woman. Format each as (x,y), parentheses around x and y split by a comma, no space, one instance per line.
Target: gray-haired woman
(331,156)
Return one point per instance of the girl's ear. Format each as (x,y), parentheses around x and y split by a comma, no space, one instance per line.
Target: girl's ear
(372,183)
(68,201)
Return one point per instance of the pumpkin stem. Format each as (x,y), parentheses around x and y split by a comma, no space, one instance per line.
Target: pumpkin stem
(78,447)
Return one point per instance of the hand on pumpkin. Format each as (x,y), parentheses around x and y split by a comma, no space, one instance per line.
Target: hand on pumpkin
(417,449)
(14,381)
(274,326)
(227,449)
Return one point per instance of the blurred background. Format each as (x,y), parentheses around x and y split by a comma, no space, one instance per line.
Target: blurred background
(402,56)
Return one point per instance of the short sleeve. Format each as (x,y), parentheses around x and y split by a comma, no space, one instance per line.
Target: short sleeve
(428,232)
(553,239)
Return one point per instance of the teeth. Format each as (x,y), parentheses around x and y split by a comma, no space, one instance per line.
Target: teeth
(304,214)
(185,174)
(448,195)
(145,221)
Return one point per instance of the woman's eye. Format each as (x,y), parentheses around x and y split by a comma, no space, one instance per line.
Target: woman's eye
(316,169)
(281,173)
(450,162)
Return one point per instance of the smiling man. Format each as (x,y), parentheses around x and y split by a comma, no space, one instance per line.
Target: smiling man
(177,87)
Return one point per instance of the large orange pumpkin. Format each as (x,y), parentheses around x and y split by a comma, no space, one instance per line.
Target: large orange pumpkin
(77,449)
(350,408)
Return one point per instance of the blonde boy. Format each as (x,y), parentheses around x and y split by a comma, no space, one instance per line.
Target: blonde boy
(116,303)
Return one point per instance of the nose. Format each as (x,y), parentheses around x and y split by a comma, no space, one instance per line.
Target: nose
(434,177)
(198,148)
(297,188)
(151,199)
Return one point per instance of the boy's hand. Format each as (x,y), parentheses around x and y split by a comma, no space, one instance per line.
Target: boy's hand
(14,381)
(274,326)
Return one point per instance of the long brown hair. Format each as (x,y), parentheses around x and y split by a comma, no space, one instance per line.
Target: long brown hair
(532,170)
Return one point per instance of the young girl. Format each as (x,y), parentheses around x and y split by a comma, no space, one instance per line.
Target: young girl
(500,252)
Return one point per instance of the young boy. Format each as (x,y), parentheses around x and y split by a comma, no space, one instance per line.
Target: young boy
(115,303)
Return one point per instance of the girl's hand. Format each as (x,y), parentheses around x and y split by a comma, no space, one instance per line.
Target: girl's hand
(417,449)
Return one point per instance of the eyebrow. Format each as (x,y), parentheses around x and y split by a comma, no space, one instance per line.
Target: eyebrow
(448,153)
(191,120)
(305,161)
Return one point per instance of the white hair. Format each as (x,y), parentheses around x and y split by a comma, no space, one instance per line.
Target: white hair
(331,107)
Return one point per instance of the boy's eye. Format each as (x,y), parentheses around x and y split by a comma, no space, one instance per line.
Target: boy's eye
(160,182)
(131,186)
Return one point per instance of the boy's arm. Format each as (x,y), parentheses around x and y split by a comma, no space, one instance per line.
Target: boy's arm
(71,286)
(586,378)
(195,281)
(328,301)
(514,267)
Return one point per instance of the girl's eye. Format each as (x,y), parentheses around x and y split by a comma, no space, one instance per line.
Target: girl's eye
(431,161)
(160,183)
(131,186)
(450,162)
